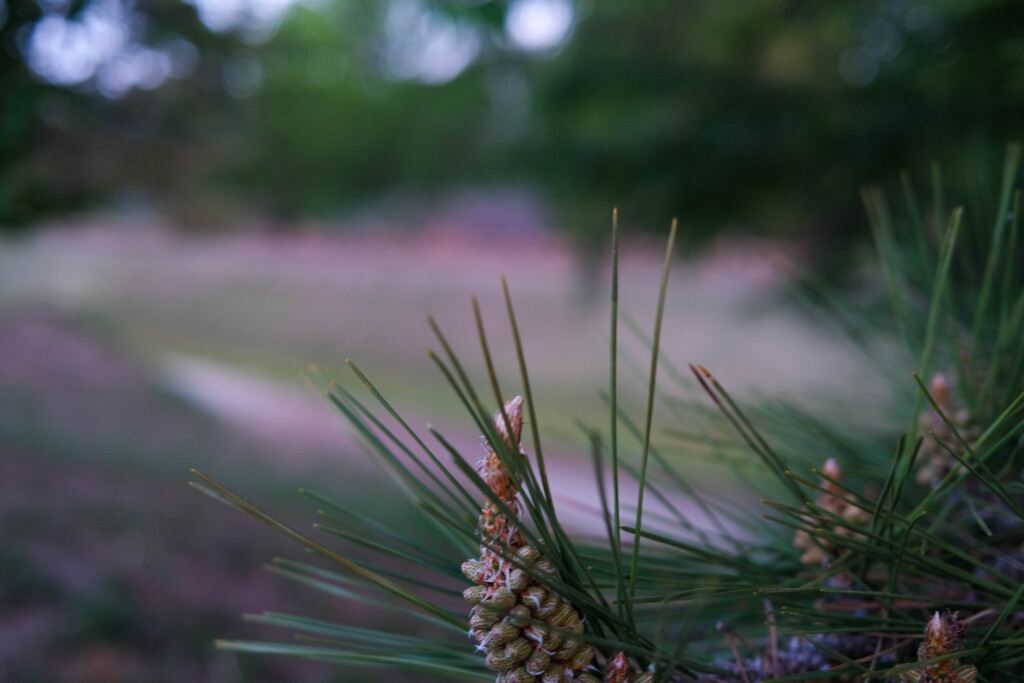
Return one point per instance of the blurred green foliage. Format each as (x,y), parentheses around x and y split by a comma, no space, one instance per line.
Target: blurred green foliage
(325,130)
(770,113)
(766,114)
(22,580)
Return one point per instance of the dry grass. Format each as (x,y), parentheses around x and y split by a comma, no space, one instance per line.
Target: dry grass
(273,305)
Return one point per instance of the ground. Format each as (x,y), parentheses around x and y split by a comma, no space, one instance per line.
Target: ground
(129,355)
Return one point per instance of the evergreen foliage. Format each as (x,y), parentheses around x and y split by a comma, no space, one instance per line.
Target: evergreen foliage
(898,564)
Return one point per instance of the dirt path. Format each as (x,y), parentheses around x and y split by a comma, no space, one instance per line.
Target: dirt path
(269,306)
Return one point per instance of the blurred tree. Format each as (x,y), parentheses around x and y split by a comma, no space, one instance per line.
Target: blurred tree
(770,113)
(334,123)
(18,114)
(98,97)
(764,114)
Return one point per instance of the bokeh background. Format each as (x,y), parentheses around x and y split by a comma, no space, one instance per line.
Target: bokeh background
(201,198)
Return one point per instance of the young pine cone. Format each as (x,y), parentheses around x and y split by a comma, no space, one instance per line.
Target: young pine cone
(934,461)
(943,635)
(618,671)
(527,631)
(830,499)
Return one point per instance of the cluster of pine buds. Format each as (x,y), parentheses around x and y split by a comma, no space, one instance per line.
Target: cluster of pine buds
(526,629)
(528,632)
(944,635)
(830,499)
(935,461)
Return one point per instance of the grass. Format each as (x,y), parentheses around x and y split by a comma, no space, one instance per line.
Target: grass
(274,308)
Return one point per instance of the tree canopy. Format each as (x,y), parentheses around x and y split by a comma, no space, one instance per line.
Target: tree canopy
(763,114)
